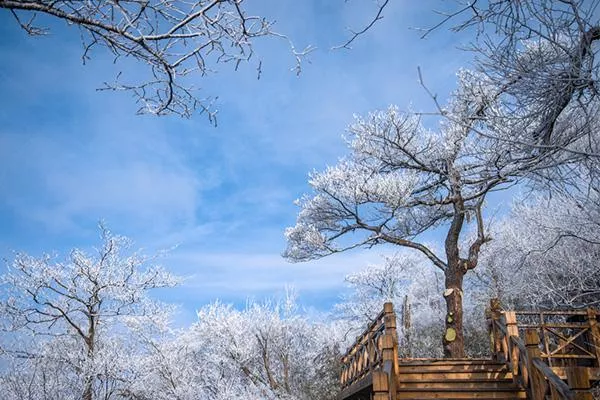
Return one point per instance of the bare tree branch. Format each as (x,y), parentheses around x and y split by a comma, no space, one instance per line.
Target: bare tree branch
(378,16)
(172,39)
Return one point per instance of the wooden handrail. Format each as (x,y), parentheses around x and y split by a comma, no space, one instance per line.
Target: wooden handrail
(375,325)
(525,359)
(374,355)
(557,383)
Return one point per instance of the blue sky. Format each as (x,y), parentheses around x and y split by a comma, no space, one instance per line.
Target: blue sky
(71,155)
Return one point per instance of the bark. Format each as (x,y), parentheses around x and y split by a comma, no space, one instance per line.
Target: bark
(454,343)
(453,340)
(88,393)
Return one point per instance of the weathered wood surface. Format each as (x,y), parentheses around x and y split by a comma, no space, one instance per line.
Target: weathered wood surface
(373,358)
(536,355)
(568,348)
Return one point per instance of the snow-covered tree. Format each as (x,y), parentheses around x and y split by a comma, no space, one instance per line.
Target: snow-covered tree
(544,61)
(415,292)
(69,325)
(545,255)
(265,351)
(401,180)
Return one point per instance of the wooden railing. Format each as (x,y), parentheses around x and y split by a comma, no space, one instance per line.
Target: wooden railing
(372,361)
(569,338)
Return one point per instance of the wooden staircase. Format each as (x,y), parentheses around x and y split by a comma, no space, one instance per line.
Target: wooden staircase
(456,379)
(534,355)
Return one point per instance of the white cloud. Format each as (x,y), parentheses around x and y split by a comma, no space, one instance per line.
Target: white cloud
(58,182)
(251,273)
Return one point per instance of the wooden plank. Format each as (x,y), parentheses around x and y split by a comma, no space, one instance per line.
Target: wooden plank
(537,384)
(594,335)
(407,369)
(437,375)
(470,361)
(574,356)
(561,372)
(568,313)
(496,394)
(513,350)
(457,384)
(380,381)
(579,381)
(554,380)
(356,387)
(580,325)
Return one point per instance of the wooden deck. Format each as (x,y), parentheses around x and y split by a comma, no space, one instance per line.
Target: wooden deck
(535,355)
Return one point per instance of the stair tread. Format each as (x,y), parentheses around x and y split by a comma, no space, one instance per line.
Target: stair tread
(413,389)
(437,364)
(460,380)
(465,374)
(413,395)
(450,368)
(522,396)
(448,360)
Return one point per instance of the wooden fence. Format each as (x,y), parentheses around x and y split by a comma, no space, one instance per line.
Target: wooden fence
(539,347)
(373,358)
(542,349)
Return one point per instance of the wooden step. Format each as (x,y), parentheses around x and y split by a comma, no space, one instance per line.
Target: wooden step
(456,379)
(441,367)
(460,394)
(461,384)
(438,375)
(421,361)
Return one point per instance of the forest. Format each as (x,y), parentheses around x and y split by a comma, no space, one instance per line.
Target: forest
(492,195)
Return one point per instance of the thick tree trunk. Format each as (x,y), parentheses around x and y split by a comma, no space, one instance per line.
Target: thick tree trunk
(453,340)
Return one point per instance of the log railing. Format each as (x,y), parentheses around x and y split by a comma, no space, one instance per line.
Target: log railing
(373,358)
(575,341)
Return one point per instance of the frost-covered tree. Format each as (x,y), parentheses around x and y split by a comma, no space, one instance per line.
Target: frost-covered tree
(415,293)
(265,351)
(401,180)
(542,55)
(541,58)
(71,327)
(545,255)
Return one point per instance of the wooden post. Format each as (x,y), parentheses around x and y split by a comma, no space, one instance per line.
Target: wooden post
(537,383)
(579,381)
(390,348)
(493,314)
(513,351)
(380,386)
(594,335)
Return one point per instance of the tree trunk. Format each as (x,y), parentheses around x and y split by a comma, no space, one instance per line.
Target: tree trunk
(88,394)
(454,341)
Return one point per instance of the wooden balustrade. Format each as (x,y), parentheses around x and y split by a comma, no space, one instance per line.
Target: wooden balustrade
(374,357)
(568,338)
